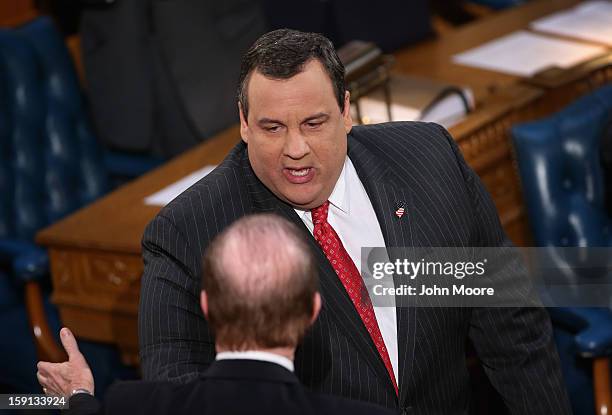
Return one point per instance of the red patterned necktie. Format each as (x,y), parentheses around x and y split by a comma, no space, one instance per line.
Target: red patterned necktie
(349,275)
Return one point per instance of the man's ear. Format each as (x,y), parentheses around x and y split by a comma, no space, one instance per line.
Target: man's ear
(204,303)
(316,307)
(244,126)
(346,113)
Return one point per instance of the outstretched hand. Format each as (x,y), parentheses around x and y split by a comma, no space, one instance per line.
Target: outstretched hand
(60,379)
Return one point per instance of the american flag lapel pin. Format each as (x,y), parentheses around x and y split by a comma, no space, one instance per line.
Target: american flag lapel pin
(400,210)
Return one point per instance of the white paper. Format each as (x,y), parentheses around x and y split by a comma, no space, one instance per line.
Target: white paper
(525,54)
(451,110)
(374,111)
(447,113)
(590,21)
(168,193)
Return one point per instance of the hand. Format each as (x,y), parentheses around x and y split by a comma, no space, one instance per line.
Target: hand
(60,379)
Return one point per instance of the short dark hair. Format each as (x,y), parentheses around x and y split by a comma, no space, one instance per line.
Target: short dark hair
(260,279)
(282,54)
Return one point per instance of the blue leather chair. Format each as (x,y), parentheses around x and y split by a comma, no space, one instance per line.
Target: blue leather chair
(562,180)
(50,165)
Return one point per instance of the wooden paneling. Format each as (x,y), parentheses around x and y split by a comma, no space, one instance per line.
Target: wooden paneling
(98,295)
(485,142)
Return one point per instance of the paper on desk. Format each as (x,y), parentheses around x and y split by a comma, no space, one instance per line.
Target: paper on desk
(414,98)
(374,111)
(590,21)
(168,193)
(524,54)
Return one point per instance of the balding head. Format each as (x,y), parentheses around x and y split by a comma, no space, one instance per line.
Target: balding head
(260,282)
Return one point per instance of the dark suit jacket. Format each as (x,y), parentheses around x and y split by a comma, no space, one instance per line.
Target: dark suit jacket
(446,205)
(162,75)
(392,24)
(228,387)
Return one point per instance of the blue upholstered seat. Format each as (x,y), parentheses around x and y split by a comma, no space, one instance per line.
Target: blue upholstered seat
(562,180)
(50,165)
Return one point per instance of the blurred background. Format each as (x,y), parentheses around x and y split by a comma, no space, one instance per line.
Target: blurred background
(106,103)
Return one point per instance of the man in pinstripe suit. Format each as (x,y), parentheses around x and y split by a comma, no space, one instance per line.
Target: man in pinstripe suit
(299,153)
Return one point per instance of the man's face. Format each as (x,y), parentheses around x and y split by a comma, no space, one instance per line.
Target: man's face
(296,134)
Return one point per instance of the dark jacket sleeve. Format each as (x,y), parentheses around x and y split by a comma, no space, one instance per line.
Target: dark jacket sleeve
(83,404)
(131,398)
(515,345)
(175,343)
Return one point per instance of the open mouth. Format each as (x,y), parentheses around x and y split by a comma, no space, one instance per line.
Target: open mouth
(299,173)
(299,176)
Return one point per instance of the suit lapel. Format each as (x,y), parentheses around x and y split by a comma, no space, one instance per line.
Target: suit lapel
(336,302)
(388,192)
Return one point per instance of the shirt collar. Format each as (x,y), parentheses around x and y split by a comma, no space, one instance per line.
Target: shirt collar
(339,196)
(257,355)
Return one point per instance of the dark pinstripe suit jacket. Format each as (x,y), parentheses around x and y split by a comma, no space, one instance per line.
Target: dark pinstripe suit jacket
(446,205)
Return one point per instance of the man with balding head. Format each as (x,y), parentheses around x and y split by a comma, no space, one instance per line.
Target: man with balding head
(260,288)
(260,295)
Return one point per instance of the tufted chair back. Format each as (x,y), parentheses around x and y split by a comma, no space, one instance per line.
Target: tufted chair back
(50,165)
(6,170)
(563,188)
(50,161)
(561,173)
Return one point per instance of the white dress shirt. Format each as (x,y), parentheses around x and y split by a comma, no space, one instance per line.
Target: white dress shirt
(353,218)
(257,355)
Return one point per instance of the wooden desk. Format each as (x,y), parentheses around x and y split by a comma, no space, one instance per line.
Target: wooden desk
(433,59)
(564,86)
(95,253)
